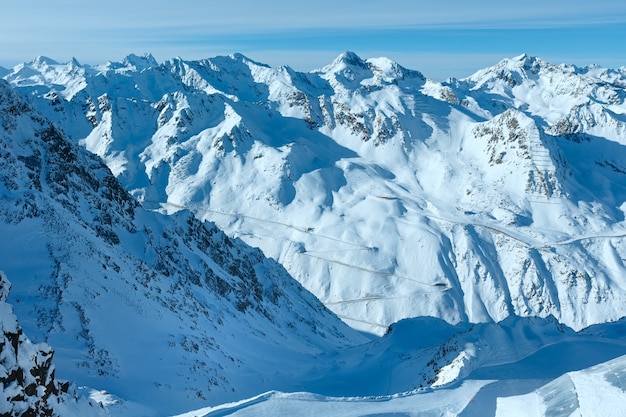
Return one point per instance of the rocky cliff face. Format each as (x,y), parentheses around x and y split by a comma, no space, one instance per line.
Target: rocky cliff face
(159,310)
(29,386)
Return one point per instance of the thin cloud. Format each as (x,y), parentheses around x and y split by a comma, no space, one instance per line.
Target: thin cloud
(235,16)
(309,35)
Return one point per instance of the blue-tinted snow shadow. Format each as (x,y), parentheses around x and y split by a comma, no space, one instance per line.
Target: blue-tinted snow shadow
(597,167)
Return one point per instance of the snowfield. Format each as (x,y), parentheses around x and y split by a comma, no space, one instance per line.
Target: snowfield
(458,248)
(385,194)
(538,385)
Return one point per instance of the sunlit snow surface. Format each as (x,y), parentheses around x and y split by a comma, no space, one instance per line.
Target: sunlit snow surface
(466,204)
(596,391)
(436,403)
(385,194)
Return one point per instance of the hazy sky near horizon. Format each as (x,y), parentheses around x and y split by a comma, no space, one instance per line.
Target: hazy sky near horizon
(439,38)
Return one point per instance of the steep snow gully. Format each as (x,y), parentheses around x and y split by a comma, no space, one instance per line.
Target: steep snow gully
(458,248)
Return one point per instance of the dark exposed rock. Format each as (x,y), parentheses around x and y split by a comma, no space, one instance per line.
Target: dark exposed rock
(26,369)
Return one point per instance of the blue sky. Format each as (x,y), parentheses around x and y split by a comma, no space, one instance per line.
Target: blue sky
(440,38)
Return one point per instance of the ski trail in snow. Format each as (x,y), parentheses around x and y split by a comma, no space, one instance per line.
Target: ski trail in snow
(484,226)
(538,246)
(376,298)
(443,286)
(367,248)
(579,238)
(229,408)
(302,229)
(359,247)
(311,253)
(521,239)
(382,326)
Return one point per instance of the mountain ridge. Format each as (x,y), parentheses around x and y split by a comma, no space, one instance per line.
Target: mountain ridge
(329,171)
(471,226)
(145,306)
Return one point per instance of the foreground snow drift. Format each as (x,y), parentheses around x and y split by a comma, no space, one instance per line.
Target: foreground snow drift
(596,391)
(530,371)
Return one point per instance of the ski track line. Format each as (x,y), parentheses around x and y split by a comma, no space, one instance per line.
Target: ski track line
(578,239)
(376,298)
(373,271)
(309,230)
(368,248)
(490,228)
(228,409)
(541,246)
(361,321)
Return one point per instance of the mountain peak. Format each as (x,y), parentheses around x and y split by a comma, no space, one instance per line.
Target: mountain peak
(383,69)
(513,71)
(140,63)
(527,62)
(41,61)
(242,58)
(390,70)
(349,58)
(347,69)
(522,57)
(519,63)
(74,62)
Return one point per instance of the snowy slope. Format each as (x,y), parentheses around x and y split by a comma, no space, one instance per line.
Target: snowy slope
(520,367)
(388,195)
(385,194)
(599,390)
(162,312)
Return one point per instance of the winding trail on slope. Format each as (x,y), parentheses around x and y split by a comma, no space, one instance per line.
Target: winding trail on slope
(526,241)
(485,226)
(382,326)
(519,238)
(439,286)
(579,238)
(375,298)
(303,229)
(443,286)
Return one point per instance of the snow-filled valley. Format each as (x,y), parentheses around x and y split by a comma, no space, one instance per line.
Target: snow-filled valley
(458,248)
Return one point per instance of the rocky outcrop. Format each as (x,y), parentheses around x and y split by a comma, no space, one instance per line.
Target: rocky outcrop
(29,387)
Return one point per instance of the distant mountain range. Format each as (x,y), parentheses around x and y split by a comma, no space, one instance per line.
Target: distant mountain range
(386,195)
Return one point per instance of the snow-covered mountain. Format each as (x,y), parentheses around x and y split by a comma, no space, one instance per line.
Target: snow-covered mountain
(160,311)
(385,194)
(481,206)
